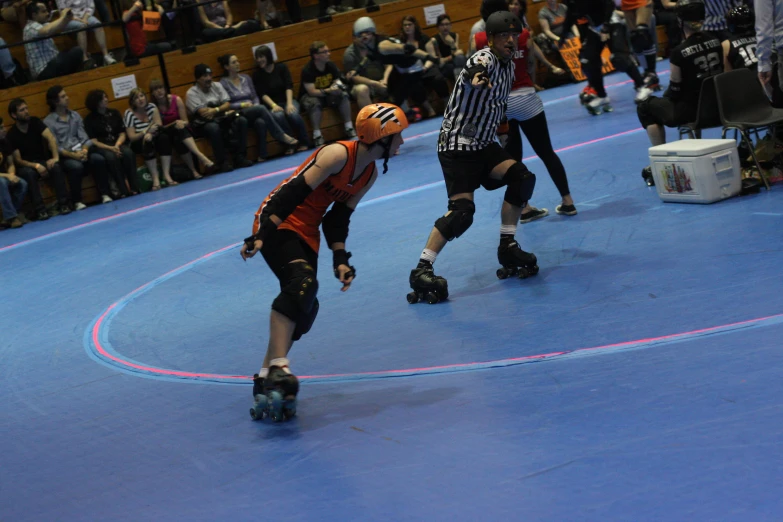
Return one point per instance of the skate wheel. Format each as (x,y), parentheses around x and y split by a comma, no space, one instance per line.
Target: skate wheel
(502,273)
(275,405)
(432,298)
(534,270)
(253,414)
(413,298)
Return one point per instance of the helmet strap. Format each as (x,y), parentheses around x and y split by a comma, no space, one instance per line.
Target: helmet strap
(386,144)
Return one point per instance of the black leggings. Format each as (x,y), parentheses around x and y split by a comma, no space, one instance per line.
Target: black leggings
(537,133)
(591,58)
(663,111)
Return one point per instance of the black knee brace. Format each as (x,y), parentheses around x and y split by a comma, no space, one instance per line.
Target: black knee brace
(298,292)
(458,220)
(641,39)
(305,322)
(519,184)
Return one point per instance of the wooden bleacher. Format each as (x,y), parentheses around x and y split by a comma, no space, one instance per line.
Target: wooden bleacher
(292,45)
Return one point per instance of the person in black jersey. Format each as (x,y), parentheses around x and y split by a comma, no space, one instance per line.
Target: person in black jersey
(740,50)
(470,158)
(698,57)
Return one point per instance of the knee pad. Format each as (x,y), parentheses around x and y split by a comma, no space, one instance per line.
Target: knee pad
(641,39)
(520,183)
(305,321)
(298,292)
(458,220)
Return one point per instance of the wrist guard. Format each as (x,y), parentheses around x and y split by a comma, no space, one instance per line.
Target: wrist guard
(341,257)
(674,92)
(476,69)
(267,227)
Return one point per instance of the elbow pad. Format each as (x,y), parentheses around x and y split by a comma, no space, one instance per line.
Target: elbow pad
(335,223)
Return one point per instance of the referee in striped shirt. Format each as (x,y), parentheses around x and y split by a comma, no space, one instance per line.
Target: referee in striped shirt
(470,157)
(716,17)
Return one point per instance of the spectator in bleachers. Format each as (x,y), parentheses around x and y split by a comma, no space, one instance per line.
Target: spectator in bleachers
(75,147)
(44,59)
(213,118)
(12,74)
(551,19)
(368,75)
(445,45)
(174,118)
(36,157)
(83,16)
(106,129)
(14,12)
(137,39)
(416,78)
(665,16)
(275,88)
(12,187)
(144,127)
(243,98)
(321,87)
(324,9)
(218,23)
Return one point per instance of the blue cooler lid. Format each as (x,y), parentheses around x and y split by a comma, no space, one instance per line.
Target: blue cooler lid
(691,148)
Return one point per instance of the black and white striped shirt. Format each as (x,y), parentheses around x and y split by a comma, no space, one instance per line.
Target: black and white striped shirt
(131,120)
(716,13)
(472,115)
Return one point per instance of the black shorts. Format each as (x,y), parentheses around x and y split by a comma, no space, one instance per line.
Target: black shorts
(466,171)
(663,111)
(283,246)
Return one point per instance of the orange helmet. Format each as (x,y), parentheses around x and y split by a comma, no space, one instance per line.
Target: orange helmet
(378,120)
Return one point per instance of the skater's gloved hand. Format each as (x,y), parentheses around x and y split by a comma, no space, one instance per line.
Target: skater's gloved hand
(250,248)
(346,275)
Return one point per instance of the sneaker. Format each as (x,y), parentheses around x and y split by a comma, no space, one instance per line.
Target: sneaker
(331,10)
(79,206)
(566,210)
(106,199)
(533,214)
(89,64)
(65,209)
(319,141)
(642,93)
(108,59)
(343,8)
(350,133)
(241,163)
(15,222)
(23,218)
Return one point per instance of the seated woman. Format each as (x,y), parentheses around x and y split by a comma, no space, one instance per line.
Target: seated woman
(275,88)
(105,128)
(218,24)
(419,78)
(445,45)
(243,98)
(137,40)
(143,125)
(174,119)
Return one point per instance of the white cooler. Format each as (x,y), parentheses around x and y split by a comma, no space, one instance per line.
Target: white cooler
(696,171)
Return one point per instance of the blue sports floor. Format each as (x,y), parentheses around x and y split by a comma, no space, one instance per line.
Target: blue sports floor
(637,377)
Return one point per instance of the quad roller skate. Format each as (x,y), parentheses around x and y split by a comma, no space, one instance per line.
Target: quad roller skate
(597,106)
(647,175)
(275,396)
(515,261)
(651,81)
(587,95)
(427,286)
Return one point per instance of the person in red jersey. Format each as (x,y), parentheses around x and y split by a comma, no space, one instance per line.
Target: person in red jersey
(285,231)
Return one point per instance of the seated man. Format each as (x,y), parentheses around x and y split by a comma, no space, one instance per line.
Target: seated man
(75,148)
(369,76)
(698,57)
(44,59)
(82,17)
(12,187)
(36,156)
(209,104)
(321,87)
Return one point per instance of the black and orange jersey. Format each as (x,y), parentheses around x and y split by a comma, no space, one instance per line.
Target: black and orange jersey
(307,217)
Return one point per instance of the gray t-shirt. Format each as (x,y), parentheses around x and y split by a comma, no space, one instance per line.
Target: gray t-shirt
(197,99)
(555,18)
(373,69)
